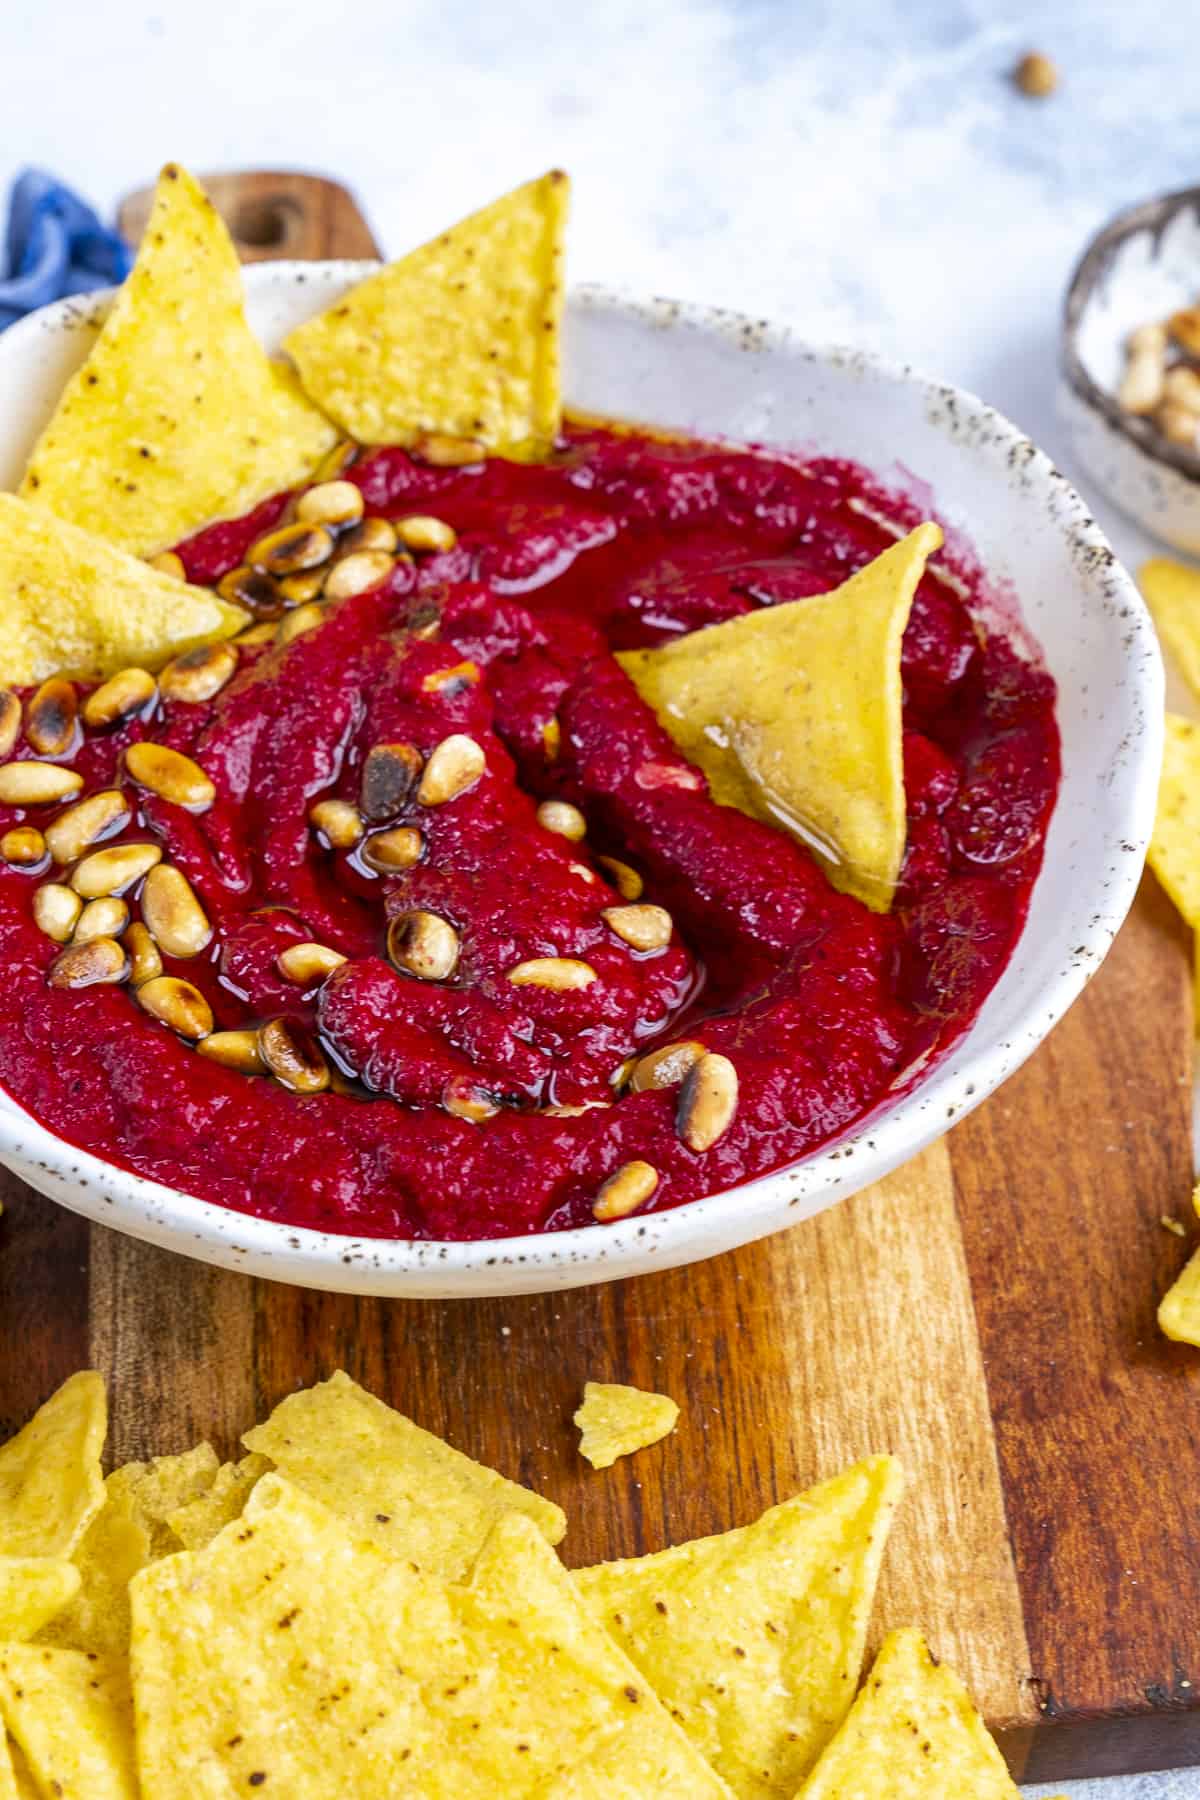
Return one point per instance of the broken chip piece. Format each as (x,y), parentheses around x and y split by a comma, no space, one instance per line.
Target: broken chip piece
(459,338)
(50,1482)
(74,604)
(615,1420)
(794,714)
(1179,1308)
(197,1521)
(1174,852)
(178,416)
(114,1547)
(912,1732)
(403,1488)
(755,1638)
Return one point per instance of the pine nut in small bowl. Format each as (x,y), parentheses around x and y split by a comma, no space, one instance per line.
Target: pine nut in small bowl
(560,1016)
(1129,388)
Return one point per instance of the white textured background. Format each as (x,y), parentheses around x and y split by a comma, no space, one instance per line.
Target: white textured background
(862,170)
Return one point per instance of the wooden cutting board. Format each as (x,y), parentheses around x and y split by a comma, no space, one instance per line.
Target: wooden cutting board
(987,1313)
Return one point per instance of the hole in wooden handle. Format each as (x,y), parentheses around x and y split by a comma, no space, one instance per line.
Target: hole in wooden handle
(267,223)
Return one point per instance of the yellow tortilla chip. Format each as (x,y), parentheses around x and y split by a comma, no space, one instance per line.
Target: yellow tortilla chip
(459,337)
(50,1482)
(403,1488)
(754,1639)
(1179,1308)
(70,601)
(178,417)
(114,1547)
(32,1590)
(295,1656)
(1174,852)
(517,1573)
(615,1420)
(71,1716)
(794,714)
(913,1732)
(16,1783)
(198,1522)
(1172,592)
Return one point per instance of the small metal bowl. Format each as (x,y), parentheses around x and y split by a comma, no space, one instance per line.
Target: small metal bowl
(1143,266)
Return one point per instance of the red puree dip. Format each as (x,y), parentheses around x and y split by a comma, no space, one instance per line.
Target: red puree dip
(822,1006)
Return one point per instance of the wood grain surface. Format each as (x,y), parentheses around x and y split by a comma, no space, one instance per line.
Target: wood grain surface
(987,1313)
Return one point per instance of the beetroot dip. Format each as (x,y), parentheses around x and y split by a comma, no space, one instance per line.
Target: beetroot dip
(822,1007)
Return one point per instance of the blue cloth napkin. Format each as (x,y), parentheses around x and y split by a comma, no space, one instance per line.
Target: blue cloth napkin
(54,245)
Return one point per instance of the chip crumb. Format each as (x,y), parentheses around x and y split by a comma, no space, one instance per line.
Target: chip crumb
(615,1420)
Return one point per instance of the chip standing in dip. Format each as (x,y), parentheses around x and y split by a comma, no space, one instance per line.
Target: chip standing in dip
(416,921)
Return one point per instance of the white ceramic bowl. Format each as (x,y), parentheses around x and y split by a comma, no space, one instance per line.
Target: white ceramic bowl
(1142,267)
(721,374)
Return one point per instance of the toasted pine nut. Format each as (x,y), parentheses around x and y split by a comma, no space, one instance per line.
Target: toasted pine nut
(293,1057)
(82,824)
(298,590)
(627,881)
(199,674)
(401,848)
(370,534)
(295,624)
(626,1189)
(642,927)
(552,739)
(36,783)
(454,766)
(446,452)
(1178,424)
(1182,385)
(1036,75)
(252,589)
(167,563)
(335,462)
(331,503)
(171,912)
(101,918)
(1184,327)
(256,635)
(565,820)
(341,823)
(55,910)
(666,1066)
(176,1003)
(390,772)
(707,1102)
(144,961)
(1141,384)
(119,698)
(357,574)
(303,963)
(562,973)
(291,548)
(424,533)
(10,720)
(234,1050)
(423,944)
(170,775)
(1152,336)
(99,962)
(24,847)
(112,870)
(466,1099)
(50,717)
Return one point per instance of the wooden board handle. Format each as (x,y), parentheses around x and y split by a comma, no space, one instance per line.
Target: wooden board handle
(273,214)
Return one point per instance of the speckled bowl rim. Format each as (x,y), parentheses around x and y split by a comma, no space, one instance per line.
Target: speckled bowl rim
(1153,216)
(167,1216)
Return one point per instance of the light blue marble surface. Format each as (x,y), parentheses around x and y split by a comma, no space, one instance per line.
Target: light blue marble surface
(864,171)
